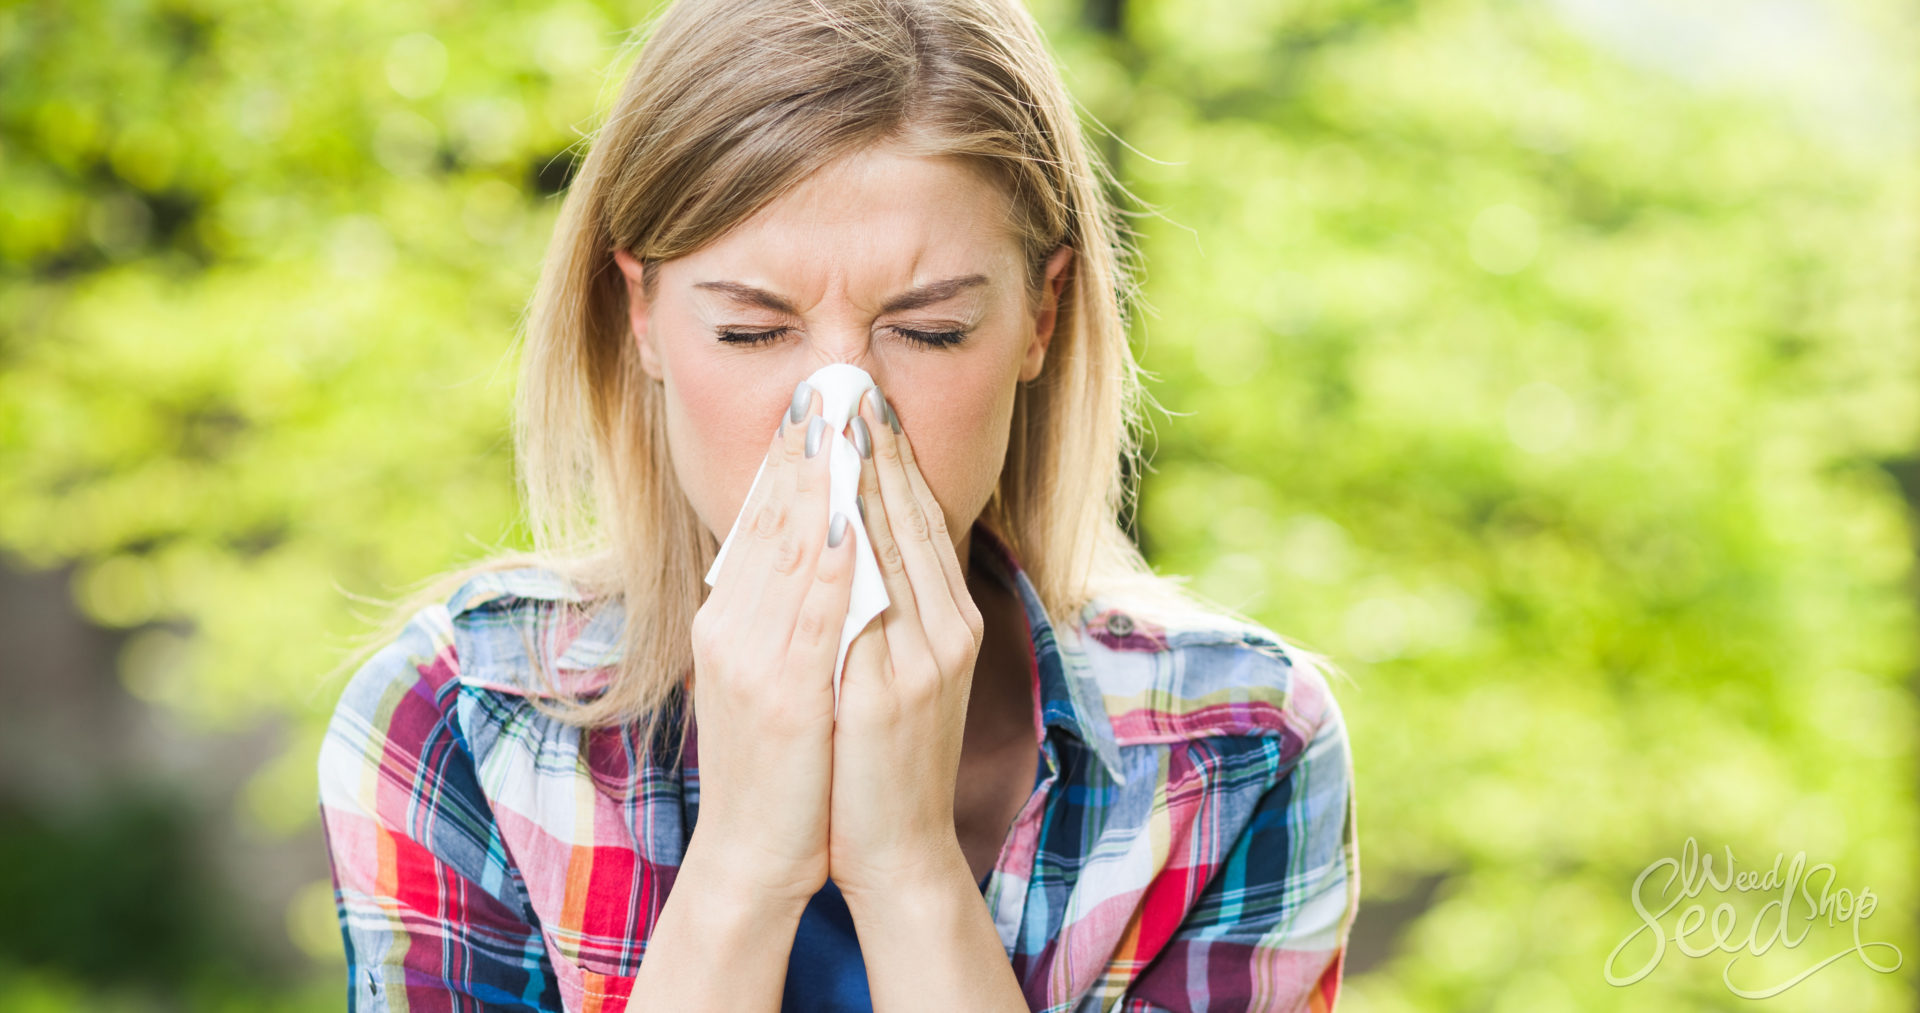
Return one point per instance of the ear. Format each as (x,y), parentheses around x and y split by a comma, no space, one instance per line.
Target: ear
(637,312)
(1049,313)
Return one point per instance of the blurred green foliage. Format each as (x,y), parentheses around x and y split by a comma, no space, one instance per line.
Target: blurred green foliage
(1552,366)
(120,880)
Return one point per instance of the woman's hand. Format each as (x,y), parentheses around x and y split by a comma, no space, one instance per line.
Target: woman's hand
(764,644)
(903,692)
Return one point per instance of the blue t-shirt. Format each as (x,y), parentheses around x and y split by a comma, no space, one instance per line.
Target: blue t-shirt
(826,974)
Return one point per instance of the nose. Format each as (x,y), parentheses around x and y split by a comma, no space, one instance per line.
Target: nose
(844,344)
(852,349)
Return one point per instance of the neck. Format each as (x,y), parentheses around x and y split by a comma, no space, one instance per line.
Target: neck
(1000,703)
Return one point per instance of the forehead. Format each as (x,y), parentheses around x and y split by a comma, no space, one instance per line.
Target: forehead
(879,218)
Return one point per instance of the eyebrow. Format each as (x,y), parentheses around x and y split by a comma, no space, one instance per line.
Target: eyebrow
(912,299)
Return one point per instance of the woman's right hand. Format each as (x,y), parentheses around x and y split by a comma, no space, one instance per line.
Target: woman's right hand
(764,646)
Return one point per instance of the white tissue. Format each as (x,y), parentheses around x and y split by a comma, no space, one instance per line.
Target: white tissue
(840,385)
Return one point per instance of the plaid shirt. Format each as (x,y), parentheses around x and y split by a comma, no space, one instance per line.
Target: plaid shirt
(1191,845)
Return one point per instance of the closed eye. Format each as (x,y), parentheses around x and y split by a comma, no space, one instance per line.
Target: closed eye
(931,339)
(937,339)
(733,337)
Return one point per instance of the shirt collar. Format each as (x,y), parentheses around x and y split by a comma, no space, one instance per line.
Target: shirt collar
(1070,699)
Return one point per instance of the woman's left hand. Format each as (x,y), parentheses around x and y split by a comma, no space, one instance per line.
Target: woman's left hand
(904,690)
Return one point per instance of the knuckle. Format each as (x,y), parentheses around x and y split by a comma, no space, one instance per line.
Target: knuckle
(918,684)
(889,555)
(834,569)
(703,634)
(788,556)
(740,694)
(784,723)
(783,441)
(917,526)
(812,626)
(769,518)
(949,654)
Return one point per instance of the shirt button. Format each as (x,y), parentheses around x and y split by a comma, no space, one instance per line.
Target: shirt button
(1119,624)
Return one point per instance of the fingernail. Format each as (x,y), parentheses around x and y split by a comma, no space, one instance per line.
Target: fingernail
(860,504)
(876,403)
(892,419)
(862,439)
(815,429)
(837,531)
(802,397)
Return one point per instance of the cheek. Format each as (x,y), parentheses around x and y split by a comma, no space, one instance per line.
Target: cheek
(720,426)
(959,435)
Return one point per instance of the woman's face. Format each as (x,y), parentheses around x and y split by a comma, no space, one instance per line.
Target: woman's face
(862,263)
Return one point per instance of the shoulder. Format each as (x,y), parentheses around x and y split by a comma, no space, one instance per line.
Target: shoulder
(484,635)
(1173,674)
(406,700)
(410,832)
(395,712)
(403,683)
(511,627)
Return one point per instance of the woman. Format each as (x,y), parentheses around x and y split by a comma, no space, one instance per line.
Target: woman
(1055,781)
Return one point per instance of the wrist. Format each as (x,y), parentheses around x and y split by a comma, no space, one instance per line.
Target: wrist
(731,880)
(716,944)
(922,888)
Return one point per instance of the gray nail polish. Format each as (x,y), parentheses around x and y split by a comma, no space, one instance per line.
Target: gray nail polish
(815,430)
(837,531)
(862,439)
(876,403)
(892,418)
(860,504)
(802,398)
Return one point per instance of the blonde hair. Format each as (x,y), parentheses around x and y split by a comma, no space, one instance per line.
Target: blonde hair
(730,104)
